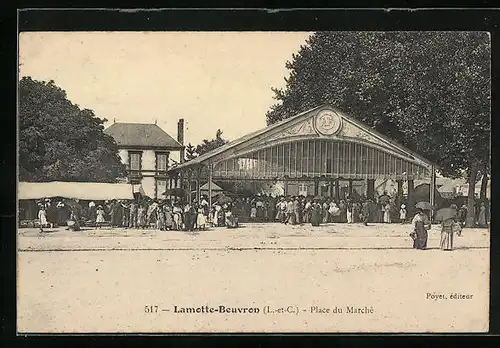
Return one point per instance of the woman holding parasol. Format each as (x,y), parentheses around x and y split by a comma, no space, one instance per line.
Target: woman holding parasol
(449,225)
(421,224)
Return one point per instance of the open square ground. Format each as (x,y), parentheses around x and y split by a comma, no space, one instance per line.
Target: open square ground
(106,280)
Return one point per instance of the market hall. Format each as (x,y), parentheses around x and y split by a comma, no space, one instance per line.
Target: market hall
(322,151)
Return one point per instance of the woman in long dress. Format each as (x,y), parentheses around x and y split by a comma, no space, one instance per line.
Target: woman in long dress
(141,216)
(177,218)
(482,216)
(326,217)
(307,211)
(349,211)
(402,213)
(99,217)
(387,213)
(355,212)
(290,214)
(160,218)
(168,217)
(42,216)
(201,220)
(316,216)
(420,224)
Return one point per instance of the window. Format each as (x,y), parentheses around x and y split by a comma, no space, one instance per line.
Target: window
(329,165)
(161,162)
(161,187)
(135,160)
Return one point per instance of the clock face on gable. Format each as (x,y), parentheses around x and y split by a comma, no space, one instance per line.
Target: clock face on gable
(328,122)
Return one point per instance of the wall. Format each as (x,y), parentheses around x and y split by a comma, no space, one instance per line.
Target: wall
(148,184)
(148,163)
(148,160)
(123,155)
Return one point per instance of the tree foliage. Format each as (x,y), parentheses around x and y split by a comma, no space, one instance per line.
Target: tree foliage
(60,141)
(209,145)
(428,90)
(191,152)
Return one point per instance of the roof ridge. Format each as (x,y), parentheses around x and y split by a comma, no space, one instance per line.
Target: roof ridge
(250,135)
(135,134)
(144,124)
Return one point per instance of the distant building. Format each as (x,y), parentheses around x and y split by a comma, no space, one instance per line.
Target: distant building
(145,150)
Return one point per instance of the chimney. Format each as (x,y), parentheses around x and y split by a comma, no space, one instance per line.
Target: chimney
(180,137)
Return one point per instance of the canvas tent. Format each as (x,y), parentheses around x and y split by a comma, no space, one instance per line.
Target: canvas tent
(76,190)
(216,189)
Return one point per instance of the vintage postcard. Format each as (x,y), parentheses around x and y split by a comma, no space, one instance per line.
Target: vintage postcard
(200,182)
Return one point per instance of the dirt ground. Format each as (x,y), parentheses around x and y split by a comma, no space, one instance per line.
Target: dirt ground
(335,278)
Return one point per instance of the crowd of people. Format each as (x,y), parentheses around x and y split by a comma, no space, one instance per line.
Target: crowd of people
(178,215)
(299,209)
(144,213)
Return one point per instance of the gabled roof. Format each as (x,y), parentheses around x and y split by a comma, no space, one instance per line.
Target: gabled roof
(214,187)
(233,143)
(141,135)
(291,120)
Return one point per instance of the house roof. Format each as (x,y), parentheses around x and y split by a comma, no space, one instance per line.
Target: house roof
(141,135)
(203,158)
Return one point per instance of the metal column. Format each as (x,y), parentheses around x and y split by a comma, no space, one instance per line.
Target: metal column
(210,185)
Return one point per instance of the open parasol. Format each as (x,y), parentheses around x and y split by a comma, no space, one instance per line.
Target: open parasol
(177,192)
(424,205)
(384,199)
(445,214)
(223,199)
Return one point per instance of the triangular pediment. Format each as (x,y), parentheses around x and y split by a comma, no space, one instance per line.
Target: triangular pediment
(332,124)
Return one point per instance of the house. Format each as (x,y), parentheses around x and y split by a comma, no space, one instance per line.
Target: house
(145,150)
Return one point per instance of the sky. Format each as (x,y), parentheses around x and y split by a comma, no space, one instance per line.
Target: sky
(211,79)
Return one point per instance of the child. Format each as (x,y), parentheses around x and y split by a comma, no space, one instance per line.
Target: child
(201,220)
(141,217)
(402,214)
(253,212)
(42,216)
(99,216)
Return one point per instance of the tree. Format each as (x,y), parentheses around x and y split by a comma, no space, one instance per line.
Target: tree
(191,152)
(60,141)
(428,90)
(209,145)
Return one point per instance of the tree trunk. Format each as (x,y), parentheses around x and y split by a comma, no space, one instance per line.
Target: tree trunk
(471,212)
(484,187)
